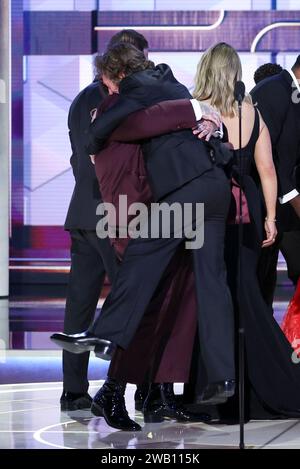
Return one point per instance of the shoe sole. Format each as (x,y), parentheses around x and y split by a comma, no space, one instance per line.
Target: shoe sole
(194,419)
(70,408)
(212,401)
(220,399)
(105,353)
(152,418)
(71,347)
(228,394)
(97,411)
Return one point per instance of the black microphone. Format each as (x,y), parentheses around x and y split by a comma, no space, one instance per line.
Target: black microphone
(239,91)
(239,94)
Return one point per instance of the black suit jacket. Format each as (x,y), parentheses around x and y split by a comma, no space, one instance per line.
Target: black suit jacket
(86,195)
(171,159)
(282,116)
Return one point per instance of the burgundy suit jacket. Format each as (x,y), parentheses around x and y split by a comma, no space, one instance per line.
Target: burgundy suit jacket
(120,165)
(162,118)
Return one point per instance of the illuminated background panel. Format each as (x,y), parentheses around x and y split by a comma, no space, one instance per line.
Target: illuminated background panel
(59,40)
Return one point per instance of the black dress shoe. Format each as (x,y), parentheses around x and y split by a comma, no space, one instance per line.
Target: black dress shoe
(109,403)
(217,393)
(140,396)
(142,391)
(70,401)
(84,342)
(161,403)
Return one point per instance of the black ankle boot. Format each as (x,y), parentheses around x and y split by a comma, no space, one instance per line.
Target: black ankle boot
(71,401)
(109,403)
(161,403)
(140,395)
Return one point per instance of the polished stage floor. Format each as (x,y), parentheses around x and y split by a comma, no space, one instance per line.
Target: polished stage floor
(30,388)
(30,417)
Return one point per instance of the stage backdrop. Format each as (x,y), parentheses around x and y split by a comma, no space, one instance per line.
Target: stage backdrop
(58,40)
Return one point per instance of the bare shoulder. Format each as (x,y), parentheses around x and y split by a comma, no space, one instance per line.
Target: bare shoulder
(262,123)
(248,114)
(248,108)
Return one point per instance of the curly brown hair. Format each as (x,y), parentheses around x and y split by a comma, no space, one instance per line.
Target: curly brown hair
(131,37)
(122,58)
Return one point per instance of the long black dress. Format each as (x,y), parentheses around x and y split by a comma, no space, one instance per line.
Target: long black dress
(272,378)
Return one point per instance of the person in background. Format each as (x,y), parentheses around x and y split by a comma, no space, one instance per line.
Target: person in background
(265,71)
(278,100)
(91,257)
(291,321)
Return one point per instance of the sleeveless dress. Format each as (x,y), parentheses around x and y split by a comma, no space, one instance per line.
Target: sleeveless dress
(273,376)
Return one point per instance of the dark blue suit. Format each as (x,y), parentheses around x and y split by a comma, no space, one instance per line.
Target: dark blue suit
(91,257)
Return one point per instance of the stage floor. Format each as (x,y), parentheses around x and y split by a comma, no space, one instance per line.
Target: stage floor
(31,375)
(26,353)
(30,417)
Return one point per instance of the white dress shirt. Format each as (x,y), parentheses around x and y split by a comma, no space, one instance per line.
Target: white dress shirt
(198,115)
(197,109)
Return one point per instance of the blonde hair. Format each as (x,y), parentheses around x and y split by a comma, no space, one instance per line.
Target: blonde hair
(217,72)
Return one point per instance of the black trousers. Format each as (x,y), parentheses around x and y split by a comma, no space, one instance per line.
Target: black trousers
(145,261)
(289,244)
(91,259)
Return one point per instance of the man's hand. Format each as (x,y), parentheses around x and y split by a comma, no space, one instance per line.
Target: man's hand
(210,114)
(205,129)
(295,203)
(210,122)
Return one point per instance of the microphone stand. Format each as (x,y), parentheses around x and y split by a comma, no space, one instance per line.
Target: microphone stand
(241,327)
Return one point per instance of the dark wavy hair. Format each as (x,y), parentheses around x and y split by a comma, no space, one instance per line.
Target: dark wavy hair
(131,36)
(122,58)
(265,71)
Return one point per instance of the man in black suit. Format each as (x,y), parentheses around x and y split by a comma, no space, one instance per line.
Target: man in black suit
(278,99)
(91,257)
(181,169)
